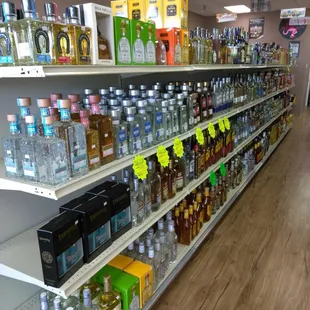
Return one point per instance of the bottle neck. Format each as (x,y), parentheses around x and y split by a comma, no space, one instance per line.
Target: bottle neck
(65,115)
(95,108)
(107,286)
(14,128)
(24,111)
(48,131)
(85,122)
(32,130)
(44,112)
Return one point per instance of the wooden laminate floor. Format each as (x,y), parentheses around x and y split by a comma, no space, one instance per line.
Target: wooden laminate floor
(259,256)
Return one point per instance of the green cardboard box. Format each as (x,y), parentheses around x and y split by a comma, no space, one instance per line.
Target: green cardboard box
(107,270)
(128,286)
(150,49)
(138,40)
(122,41)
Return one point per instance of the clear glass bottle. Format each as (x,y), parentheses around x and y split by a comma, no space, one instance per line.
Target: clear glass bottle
(147,198)
(142,257)
(161,54)
(87,301)
(154,261)
(146,125)
(138,51)
(167,120)
(124,50)
(164,249)
(137,203)
(121,140)
(44,304)
(11,149)
(92,139)
(8,55)
(134,131)
(160,270)
(155,184)
(174,117)
(177,50)
(74,135)
(172,242)
(110,299)
(24,104)
(131,252)
(44,107)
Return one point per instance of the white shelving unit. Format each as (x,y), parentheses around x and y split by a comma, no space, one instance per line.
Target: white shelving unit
(108,169)
(20,256)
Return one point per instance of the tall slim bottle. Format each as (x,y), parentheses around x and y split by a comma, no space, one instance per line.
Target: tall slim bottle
(155,184)
(186,229)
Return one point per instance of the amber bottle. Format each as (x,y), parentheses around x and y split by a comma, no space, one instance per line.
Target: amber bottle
(193,221)
(181,222)
(180,173)
(186,229)
(164,185)
(177,225)
(207,205)
(200,209)
(207,152)
(196,217)
(171,180)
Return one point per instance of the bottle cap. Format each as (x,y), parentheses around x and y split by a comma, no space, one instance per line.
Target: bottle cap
(130,110)
(115,113)
(172,101)
(143,87)
(48,120)
(156,87)
(57,302)
(84,113)
(126,103)
(141,247)
(177,212)
(43,102)
(64,103)
(104,91)
(113,102)
(186,214)
(151,93)
(119,92)
(86,293)
(160,224)
(50,9)
(72,12)
(134,92)
(171,226)
(151,251)
(74,97)
(43,296)
(151,232)
(179,96)
(8,9)
(88,91)
(30,119)
(94,99)
(166,96)
(112,89)
(12,117)
(131,246)
(55,97)
(141,103)
(148,240)
(28,6)
(23,101)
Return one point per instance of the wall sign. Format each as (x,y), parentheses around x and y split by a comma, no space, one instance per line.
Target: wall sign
(226,17)
(294,48)
(256,27)
(261,5)
(300,21)
(293,13)
(291,32)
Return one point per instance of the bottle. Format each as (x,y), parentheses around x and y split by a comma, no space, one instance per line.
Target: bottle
(177,50)
(131,252)
(44,107)
(185,51)
(124,51)
(193,221)
(87,301)
(52,159)
(177,224)
(172,242)
(8,55)
(95,291)
(207,205)
(92,140)
(147,198)
(164,184)
(160,228)
(138,52)
(179,171)
(161,53)
(155,184)
(137,203)
(142,257)
(154,264)
(167,120)
(189,159)
(200,211)
(150,53)
(104,49)
(29,150)
(160,270)
(110,299)
(172,189)
(11,149)
(134,131)
(44,301)
(168,218)
(145,124)
(103,124)
(164,249)
(74,135)
(75,107)
(186,230)
(24,104)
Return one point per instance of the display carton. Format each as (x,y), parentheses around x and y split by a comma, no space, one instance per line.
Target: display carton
(120,262)
(150,45)
(119,8)
(136,9)
(155,12)
(106,271)
(175,13)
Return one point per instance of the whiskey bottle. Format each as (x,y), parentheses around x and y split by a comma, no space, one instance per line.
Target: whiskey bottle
(177,225)
(164,184)
(207,205)
(177,50)
(196,218)
(179,170)
(213,200)
(172,186)
(181,221)
(200,211)
(155,184)
(186,230)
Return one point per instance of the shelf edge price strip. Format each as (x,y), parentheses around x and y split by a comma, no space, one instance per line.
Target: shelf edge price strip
(178,147)
(162,156)
(140,167)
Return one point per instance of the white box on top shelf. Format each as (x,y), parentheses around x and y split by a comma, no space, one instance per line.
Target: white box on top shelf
(99,18)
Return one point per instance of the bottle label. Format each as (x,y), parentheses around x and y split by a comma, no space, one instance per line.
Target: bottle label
(23,50)
(24,111)
(60,170)
(63,47)
(14,128)
(136,132)
(209,210)
(107,150)
(149,138)
(180,181)
(42,45)
(191,167)
(147,127)
(48,130)
(29,166)
(150,52)
(65,114)
(138,51)
(122,136)
(159,118)
(84,49)
(99,237)
(6,47)
(137,145)
(159,132)
(10,162)
(44,112)
(123,150)
(124,51)
(79,162)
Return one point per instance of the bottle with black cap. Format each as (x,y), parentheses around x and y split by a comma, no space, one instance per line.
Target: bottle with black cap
(33,37)
(7,20)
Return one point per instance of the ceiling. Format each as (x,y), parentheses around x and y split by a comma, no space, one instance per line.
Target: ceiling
(212,7)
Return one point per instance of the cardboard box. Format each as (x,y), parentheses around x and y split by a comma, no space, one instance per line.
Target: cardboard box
(61,248)
(170,37)
(144,273)
(155,12)
(119,8)
(120,262)
(122,37)
(175,13)
(150,47)
(99,17)
(138,39)
(105,271)
(128,286)
(136,9)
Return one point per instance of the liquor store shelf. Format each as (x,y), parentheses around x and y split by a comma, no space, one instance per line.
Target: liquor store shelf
(108,169)
(20,257)
(46,71)
(186,252)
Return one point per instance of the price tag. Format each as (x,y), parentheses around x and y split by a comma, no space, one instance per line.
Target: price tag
(221,125)
(178,147)
(162,156)
(140,167)
(200,137)
(223,170)
(227,123)
(212,178)
(211,130)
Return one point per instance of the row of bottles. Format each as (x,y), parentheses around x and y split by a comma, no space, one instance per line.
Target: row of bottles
(232,46)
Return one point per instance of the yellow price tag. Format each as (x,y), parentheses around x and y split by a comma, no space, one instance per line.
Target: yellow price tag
(162,156)
(227,123)
(200,137)
(178,147)
(140,167)
(221,125)
(211,130)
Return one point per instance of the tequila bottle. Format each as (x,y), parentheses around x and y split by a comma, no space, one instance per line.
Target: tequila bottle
(138,53)
(177,50)
(121,140)
(185,51)
(92,140)
(155,184)
(150,53)
(11,149)
(74,135)
(87,301)
(124,54)
(83,42)
(137,203)
(75,107)
(44,106)
(24,104)
(29,150)
(8,54)
(54,98)
(51,156)
(134,131)
(110,299)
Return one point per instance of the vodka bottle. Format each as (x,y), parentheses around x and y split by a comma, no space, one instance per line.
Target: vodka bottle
(57,304)
(142,257)
(11,149)
(164,249)
(150,260)
(160,228)
(167,120)
(134,131)
(160,270)
(87,301)
(130,251)
(44,301)
(137,204)
(168,218)
(74,135)
(172,242)
(51,156)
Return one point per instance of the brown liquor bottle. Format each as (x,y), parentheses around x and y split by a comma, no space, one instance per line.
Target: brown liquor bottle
(200,210)
(213,200)
(193,221)
(164,184)
(196,162)
(186,230)
(196,218)
(207,152)
(221,192)
(207,205)
(201,159)
(177,224)
(181,221)
(202,99)
(179,170)
(172,189)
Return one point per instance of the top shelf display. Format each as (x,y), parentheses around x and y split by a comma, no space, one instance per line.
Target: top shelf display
(50,71)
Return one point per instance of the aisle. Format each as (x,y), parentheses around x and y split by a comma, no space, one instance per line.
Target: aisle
(259,256)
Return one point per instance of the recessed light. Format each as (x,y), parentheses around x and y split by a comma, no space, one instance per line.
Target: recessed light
(238,8)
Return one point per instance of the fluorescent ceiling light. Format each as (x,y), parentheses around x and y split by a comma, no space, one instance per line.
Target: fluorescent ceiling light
(238,8)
